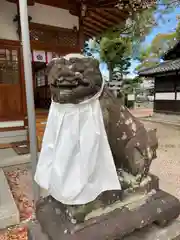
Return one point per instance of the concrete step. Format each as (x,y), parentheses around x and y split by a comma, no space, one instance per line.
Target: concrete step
(13,136)
(8,158)
(13,160)
(9,214)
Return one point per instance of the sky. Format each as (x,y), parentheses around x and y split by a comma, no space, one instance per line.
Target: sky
(170,26)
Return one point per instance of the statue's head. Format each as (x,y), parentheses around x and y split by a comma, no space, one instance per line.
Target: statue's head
(74,78)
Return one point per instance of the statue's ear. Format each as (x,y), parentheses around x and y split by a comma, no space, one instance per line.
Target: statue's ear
(53,62)
(49,66)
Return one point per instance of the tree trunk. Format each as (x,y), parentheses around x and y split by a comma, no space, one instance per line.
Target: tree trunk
(110,72)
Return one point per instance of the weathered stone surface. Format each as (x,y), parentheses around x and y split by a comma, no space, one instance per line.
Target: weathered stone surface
(35,232)
(171,232)
(117,224)
(109,198)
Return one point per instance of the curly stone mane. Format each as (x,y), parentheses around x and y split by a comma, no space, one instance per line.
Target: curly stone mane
(74,78)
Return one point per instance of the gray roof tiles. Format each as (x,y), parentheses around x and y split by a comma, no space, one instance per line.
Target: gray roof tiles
(166,66)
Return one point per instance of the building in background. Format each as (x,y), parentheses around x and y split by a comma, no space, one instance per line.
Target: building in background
(56,28)
(166,82)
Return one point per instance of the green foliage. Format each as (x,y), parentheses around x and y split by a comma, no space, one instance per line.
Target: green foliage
(146,64)
(121,69)
(151,56)
(162,43)
(91,47)
(114,52)
(144,54)
(178,30)
(128,85)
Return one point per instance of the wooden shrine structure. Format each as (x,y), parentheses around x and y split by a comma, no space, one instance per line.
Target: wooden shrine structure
(167,82)
(56,28)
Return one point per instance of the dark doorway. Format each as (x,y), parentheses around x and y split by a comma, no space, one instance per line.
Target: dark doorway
(41,87)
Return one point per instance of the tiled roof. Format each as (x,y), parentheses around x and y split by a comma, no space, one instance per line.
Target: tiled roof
(169,53)
(167,66)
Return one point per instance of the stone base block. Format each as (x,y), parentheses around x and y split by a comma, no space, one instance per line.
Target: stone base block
(171,232)
(115,222)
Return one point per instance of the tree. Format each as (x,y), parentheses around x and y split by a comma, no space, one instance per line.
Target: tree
(178,29)
(162,43)
(151,56)
(91,47)
(114,52)
(121,68)
(134,5)
(130,84)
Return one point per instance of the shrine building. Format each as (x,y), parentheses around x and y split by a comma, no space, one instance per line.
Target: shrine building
(166,82)
(56,28)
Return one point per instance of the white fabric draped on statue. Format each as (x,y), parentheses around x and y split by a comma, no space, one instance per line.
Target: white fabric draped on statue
(76,163)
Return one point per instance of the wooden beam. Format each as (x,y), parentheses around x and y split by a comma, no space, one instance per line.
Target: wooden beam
(40,26)
(91,31)
(10,43)
(92,20)
(81,38)
(110,16)
(72,6)
(108,4)
(100,19)
(87,35)
(92,26)
(29,2)
(116,12)
(100,4)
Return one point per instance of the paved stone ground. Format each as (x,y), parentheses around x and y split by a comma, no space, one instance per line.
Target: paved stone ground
(142,112)
(167,165)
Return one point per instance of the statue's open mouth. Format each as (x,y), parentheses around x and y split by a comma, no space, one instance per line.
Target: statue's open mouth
(65,84)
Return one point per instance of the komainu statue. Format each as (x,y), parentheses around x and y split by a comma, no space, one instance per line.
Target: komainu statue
(133,148)
(128,196)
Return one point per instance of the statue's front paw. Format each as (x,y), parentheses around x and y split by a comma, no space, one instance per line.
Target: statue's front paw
(138,178)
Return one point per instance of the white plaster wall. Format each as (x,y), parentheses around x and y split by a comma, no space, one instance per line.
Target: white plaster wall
(11,124)
(52,16)
(40,14)
(165,96)
(7,26)
(178,96)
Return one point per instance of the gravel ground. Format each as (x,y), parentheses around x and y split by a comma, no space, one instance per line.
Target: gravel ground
(167,164)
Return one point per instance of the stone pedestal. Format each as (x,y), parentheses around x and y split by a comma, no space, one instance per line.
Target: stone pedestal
(144,206)
(170,232)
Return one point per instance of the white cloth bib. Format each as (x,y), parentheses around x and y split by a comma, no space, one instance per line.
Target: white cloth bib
(76,163)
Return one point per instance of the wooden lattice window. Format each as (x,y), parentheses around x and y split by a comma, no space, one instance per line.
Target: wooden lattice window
(40,78)
(9,66)
(53,35)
